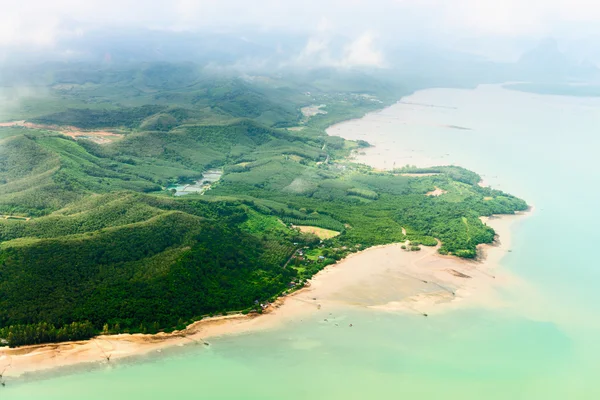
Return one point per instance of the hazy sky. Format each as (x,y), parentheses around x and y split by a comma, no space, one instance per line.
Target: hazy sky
(38,23)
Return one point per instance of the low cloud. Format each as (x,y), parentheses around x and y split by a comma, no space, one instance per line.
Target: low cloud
(16,31)
(41,23)
(12,98)
(321,51)
(363,53)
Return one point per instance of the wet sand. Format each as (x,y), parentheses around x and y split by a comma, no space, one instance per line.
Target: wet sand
(384,277)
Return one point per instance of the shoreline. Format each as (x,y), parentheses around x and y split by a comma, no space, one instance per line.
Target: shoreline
(416,283)
(395,281)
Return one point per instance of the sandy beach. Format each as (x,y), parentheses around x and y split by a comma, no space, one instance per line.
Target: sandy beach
(385,278)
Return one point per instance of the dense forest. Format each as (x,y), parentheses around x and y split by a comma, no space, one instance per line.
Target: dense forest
(94,238)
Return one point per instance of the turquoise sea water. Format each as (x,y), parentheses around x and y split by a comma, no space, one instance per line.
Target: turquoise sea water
(544,344)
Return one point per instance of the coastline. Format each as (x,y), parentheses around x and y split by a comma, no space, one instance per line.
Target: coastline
(379,128)
(420,283)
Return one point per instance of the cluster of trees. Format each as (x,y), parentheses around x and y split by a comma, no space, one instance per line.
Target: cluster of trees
(416,240)
(183,259)
(455,224)
(239,99)
(87,118)
(366,193)
(456,173)
(43,332)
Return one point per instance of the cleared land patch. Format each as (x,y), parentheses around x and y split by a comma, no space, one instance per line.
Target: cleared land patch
(437,192)
(313,110)
(320,232)
(100,137)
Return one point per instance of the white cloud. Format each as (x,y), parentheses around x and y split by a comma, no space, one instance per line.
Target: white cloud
(12,98)
(40,22)
(362,53)
(15,31)
(325,25)
(315,46)
(315,53)
(517,17)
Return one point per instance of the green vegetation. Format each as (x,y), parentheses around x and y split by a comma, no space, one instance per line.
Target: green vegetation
(183,258)
(42,332)
(90,119)
(101,245)
(366,193)
(456,173)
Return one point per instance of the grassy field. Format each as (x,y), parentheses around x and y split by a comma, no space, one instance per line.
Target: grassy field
(321,233)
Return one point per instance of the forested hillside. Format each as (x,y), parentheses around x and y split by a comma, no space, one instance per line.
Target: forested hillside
(95,238)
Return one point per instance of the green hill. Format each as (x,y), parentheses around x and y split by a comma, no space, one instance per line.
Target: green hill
(93,239)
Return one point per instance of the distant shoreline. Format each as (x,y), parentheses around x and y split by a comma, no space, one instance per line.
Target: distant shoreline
(583,90)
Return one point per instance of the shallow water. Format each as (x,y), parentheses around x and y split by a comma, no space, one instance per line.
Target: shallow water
(543,344)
